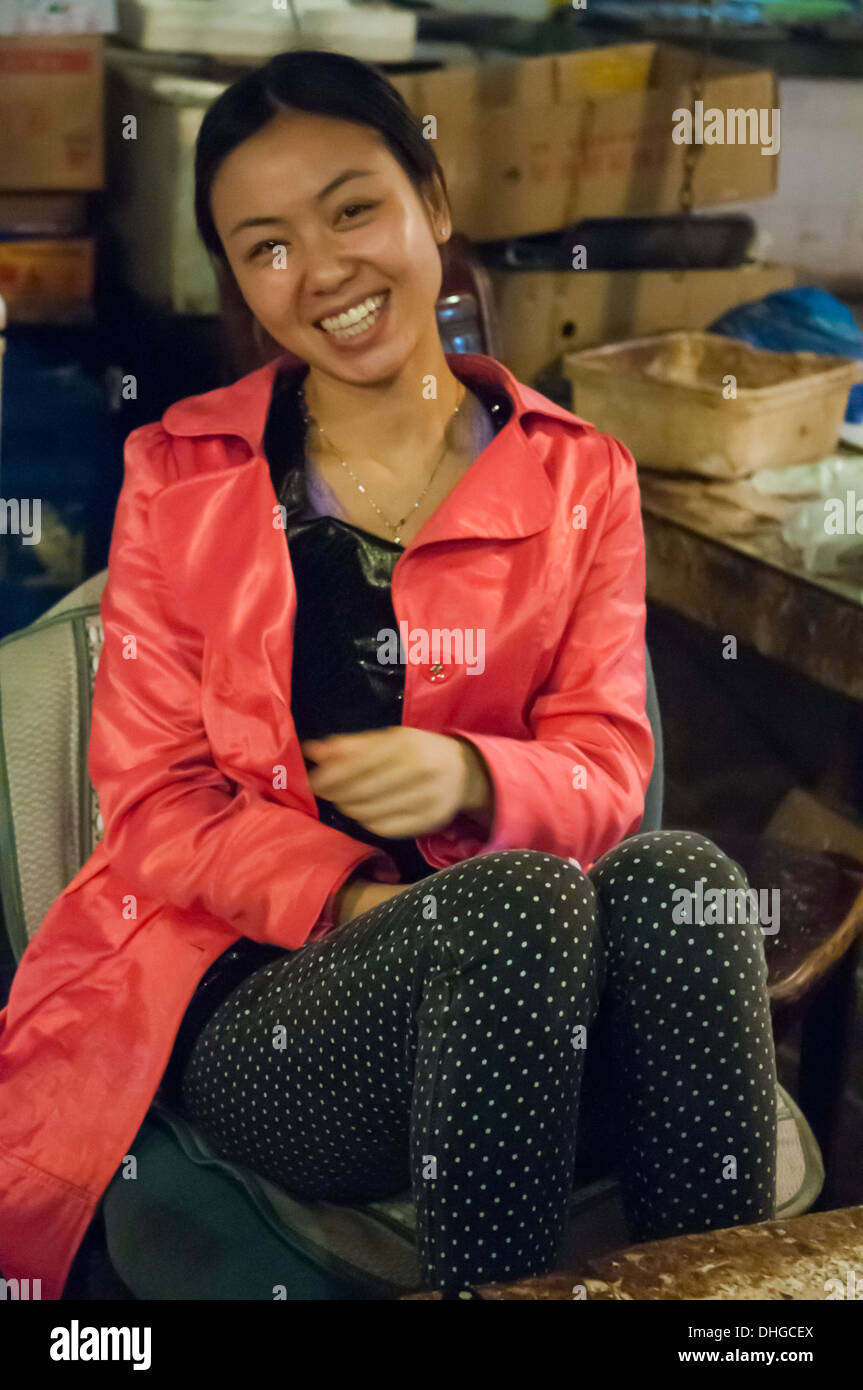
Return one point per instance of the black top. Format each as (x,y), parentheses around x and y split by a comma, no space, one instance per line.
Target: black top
(343,577)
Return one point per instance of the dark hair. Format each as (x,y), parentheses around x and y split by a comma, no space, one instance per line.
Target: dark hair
(326,84)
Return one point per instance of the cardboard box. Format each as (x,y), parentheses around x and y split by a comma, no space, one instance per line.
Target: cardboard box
(49,17)
(2,350)
(530,145)
(51,113)
(43,214)
(48,281)
(543,314)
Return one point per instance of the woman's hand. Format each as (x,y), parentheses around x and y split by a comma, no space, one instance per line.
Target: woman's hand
(400,782)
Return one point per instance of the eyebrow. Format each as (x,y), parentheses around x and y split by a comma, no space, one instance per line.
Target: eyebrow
(319,197)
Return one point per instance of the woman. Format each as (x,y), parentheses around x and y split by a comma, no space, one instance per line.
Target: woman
(350,773)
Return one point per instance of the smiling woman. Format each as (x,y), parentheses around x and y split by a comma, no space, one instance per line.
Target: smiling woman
(318,192)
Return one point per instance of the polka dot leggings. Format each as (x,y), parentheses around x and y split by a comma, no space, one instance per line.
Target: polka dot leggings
(439,1043)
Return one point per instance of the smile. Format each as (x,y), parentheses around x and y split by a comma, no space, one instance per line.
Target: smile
(356,320)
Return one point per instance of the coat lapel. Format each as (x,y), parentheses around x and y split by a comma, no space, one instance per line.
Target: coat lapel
(504,495)
(220,539)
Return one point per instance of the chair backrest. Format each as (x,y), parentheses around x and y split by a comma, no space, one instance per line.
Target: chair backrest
(653,797)
(49,814)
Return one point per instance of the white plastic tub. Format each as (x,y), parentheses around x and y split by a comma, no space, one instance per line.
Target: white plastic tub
(257,29)
(702,403)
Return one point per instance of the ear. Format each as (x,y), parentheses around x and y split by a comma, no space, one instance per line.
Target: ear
(440,215)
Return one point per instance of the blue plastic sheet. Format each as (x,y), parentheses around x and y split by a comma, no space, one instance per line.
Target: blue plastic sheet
(799,320)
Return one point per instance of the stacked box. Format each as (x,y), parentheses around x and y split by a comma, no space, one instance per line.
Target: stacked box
(51,157)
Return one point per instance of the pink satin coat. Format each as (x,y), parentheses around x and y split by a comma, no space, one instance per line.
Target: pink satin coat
(211,828)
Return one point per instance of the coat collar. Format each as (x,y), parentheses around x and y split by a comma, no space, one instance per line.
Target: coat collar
(505,494)
(241,408)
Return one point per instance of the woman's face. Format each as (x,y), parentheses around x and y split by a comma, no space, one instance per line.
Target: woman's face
(306,242)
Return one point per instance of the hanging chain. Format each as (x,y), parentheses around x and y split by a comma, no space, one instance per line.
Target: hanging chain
(693,150)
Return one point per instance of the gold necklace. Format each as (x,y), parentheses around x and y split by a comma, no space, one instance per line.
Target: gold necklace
(395,527)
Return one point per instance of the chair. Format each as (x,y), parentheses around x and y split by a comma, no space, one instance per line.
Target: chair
(194,1226)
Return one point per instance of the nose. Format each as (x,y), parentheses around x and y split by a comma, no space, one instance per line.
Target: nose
(325,268)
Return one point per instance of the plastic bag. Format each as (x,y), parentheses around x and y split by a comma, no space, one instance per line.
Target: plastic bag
(805,319)
(825,478)
(826,542)
(826,529)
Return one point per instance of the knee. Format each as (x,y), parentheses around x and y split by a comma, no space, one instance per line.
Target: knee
(535,864)
(669,858)
(548,895)
(681,878)
(531,892)
(532,875)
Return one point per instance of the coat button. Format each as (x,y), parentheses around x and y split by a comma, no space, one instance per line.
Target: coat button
(437,672)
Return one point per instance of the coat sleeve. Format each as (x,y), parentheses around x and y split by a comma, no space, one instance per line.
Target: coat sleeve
(576,787)
(175,827)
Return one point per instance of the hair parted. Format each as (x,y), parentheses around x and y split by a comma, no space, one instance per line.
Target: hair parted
(316,81)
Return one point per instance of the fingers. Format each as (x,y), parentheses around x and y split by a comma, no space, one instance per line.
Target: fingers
(404,826)
(365,764)
(361,786)
(393,781)
(418,807)
(364,748)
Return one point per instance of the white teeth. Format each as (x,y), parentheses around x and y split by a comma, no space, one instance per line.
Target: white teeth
(358,319)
